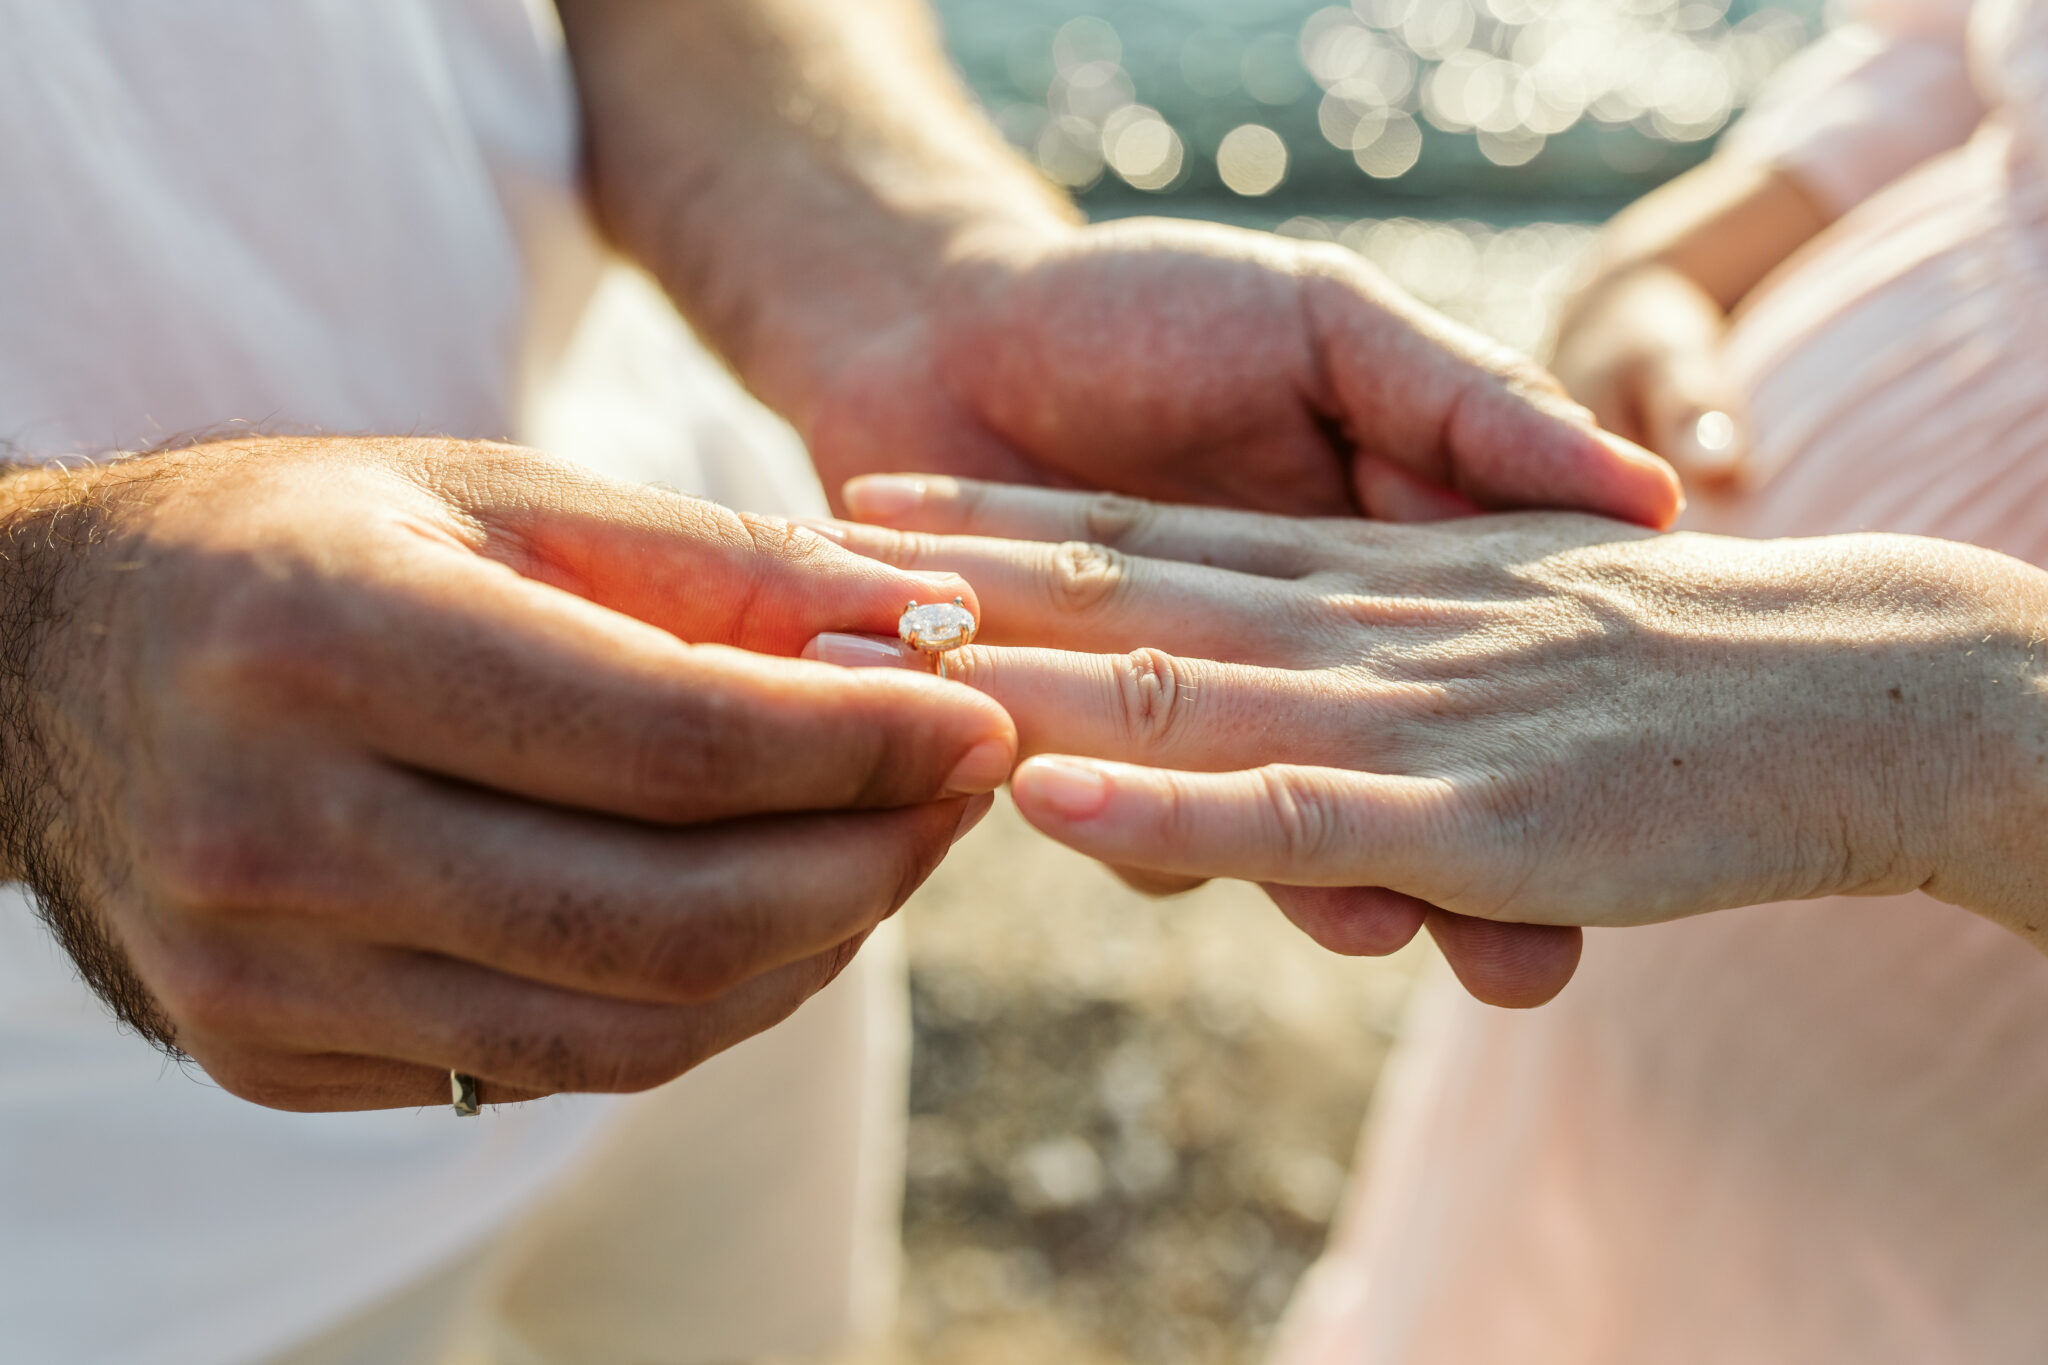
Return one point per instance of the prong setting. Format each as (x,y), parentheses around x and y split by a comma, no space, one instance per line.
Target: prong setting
(937,628)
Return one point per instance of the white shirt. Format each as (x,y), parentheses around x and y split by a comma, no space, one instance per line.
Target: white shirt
(331,215)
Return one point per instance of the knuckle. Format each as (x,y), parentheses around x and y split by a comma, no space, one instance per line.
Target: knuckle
(205,860)
(699,734)
(1524,376)
(1154,699)
(776,538)
(212,992)
(1111,517)
(1298,813)
(270,644)
(1085,576)
(913,550)
(281,852)
(722,946)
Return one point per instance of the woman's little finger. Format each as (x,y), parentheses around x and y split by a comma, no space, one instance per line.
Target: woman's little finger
(1514,966)
(1357,921)
(1303,826)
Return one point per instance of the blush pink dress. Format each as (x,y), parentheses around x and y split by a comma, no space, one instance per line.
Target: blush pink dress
(1812,1132)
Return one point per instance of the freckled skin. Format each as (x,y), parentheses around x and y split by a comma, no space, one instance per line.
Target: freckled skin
(1599,726)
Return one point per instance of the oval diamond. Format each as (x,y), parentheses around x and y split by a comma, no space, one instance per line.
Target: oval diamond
(936,627)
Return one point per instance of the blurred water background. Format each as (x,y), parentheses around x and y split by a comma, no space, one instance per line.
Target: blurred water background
(1131,1120)
(1465,145)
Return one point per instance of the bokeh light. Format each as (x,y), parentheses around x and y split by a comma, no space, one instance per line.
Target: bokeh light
(1252,160)
(1142,147)
(1386,143)
(1590,88)
(1506,282)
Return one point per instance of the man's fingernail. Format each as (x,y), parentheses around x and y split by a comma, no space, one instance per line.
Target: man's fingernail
(1074,789)
(832,531)
(1626,449)
(972,816)
(1654,467)
(983,769)
(881,496)
(856,651)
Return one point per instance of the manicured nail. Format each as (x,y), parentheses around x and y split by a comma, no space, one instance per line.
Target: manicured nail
(1649,462)
(984,768)
(832,531)
(857,651)
(1073,788)
(878,497)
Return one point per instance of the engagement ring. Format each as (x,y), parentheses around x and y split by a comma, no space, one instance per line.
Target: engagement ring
(463,1088)
(937,629)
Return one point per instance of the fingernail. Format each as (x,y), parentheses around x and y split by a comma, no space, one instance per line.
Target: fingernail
(1652,464)
(979,807)
(856,651)
(882,496)
(1627,450)
(830,530)
(1074,789)
(983,769)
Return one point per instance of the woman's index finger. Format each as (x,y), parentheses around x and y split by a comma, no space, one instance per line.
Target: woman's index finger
(1254,543)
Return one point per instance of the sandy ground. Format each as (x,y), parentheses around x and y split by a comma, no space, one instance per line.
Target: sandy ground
(1131,1118)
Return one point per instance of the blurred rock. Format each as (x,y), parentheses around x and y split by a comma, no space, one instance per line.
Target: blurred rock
(1130,1118)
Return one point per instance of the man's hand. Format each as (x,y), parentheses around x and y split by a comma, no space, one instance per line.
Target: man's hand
(341,764)
(825,204)
(1204,364)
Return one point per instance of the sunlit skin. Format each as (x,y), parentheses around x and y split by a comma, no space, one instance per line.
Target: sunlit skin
(911,295)
(1205,364)
(1547,719)
(374,759)
(380,768)
(1640,343)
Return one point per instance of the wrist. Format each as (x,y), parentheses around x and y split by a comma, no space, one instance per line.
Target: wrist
(1993,853)
(56,526)
(58,530)
(1637,287)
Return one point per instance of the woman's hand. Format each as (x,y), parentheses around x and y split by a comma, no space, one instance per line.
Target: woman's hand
(1640,344)
(1643,351)
(1543,718)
